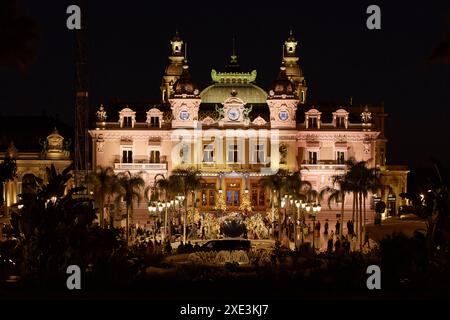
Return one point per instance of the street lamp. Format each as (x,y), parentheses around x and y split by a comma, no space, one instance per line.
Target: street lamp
(297,204)
(181,199)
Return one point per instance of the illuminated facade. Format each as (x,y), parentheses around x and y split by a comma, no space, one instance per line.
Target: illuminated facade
(236,133)
(32,158)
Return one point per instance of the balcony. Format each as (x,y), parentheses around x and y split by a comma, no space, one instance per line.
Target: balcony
(140,166)
(324,165)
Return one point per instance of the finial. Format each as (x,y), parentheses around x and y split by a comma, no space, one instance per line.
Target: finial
(185,64)
(290,32)
(185,51)
(234,46)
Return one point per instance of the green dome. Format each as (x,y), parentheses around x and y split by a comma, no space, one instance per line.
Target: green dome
(248,92)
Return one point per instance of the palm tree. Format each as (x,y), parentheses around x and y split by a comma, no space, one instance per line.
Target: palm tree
(130,190)
(275,184)
(104,183)
(288,183)
(190,181)
(166,188)
(360,181)
(337,194)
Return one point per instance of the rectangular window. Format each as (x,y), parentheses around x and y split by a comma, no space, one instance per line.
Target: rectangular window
(127,156)
(184,153)
(258,153)
(154,156)
(312,157)
(212,198)
(154,122)
(262,197)
(127,122)
(254,197)
(208,153)
(340,122)
(312,122)
(233,153)
(204,199)
(340,157)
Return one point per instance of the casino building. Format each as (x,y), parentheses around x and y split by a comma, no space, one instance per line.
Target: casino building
(236,133)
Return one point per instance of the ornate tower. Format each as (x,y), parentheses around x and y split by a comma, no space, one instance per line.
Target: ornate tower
(293,70)
(283,101)
(184,100)
(174,69)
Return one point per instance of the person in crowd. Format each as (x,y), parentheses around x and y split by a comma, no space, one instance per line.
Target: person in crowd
(330,245)
(337,245)
(181,248)
(150,247)
(167,248)
(196,247)
(325,227)
(189,248)
(346,244)
(338,227)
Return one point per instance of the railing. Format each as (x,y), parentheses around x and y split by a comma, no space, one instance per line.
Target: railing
(140,166)
(324,166)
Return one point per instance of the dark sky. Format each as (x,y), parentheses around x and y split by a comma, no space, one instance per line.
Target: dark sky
(341,58)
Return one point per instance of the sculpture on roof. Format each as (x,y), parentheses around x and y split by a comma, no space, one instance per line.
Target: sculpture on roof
(101,114)
(247,112)
(220,112)
(366,116)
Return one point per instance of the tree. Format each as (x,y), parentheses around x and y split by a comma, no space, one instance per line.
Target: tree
(246,205)
(289,183)
(275,184)
(166,188)
(8,171)
(190,181)
(54,229)
(130,190)
(361,180)
(337,195)
(104,183)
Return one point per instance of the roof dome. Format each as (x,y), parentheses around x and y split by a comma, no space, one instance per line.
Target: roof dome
(248,92)
(185,85)
(282,85)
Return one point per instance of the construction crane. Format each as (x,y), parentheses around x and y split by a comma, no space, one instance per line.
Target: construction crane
(81,159)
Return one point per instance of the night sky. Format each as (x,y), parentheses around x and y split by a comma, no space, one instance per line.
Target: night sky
(340,57)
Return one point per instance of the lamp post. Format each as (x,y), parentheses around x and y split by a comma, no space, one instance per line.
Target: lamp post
(308,209)
(291,209)
(302,217)
(181,199)
(283,204)
(297,204)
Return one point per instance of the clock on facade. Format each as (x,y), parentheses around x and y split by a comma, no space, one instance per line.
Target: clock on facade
(283,115)
(233,114)
(184,115)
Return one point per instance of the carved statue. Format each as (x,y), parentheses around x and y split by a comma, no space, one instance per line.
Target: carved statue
(67,144)
(366,116)
(101,113)
(221,113)
(247,112)
(44,145)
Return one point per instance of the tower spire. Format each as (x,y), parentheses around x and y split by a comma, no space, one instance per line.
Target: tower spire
(233,59)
